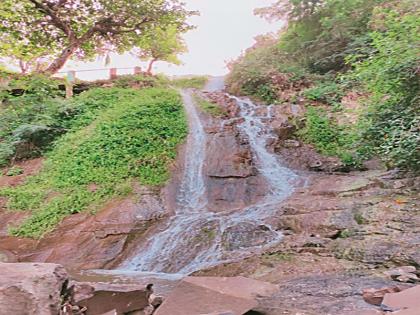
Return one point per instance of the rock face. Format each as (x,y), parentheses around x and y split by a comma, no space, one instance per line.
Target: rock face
(232,181)
(30,288)
(92,241)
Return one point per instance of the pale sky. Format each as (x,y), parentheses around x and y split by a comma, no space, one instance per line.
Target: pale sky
(224,29)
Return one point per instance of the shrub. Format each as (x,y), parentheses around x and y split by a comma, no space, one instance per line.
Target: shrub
(132,139)
(209,107)
(197,82)
(330,138)
(390,73)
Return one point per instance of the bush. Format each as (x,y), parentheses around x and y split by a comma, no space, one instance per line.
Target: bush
(209,107)
(327,92)
(140,81)
(197,82)
(132,139)
(329,138)
(390,73)
(29,109)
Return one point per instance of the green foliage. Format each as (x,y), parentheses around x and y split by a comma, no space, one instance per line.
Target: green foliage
(255,72)
(83,28)
(161,45)
(365,46)
(133,138)
(329,138)
(29,109)
(140,81)
(209,107)
(14,171)
(196,82)
(390,74)
(327,92)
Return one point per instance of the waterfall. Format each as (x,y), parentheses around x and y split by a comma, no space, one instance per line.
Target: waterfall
(196,238)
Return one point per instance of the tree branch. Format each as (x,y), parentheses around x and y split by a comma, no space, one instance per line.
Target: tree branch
(54,18)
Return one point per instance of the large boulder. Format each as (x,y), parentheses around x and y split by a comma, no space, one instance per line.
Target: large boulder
(215,295)
(31,288)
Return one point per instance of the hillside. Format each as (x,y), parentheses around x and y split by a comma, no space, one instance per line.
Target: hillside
(354,66)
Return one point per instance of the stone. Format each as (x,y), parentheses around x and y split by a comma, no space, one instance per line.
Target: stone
(155,300)
(290,143)
(375,296)
(408,277)
(7,257)
(31,288)
(403,274)
(107,297)
(407,299)
(393,273)
(214,295)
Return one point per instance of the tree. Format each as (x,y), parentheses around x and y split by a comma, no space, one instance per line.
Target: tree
(64,28)
(161,44)
(289,9)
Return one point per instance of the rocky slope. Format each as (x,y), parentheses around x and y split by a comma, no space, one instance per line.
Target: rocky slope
(342,231)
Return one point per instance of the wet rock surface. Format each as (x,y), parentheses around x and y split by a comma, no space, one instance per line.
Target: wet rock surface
(32,289)
(87,241)
(343,233)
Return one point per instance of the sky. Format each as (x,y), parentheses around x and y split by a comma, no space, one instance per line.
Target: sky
(225,28)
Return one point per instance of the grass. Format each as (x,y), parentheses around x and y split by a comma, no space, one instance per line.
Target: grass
(133,137)
(197,82)
(209,107)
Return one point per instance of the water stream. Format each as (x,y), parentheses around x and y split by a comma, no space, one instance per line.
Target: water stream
(195,238)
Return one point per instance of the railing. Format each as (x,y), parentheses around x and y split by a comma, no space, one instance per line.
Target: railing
(113,72)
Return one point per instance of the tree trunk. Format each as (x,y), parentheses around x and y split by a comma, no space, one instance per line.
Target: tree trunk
(23,67)
(150,67)
(61,60)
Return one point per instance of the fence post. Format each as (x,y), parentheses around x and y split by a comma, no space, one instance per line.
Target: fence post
(71,77)
(112,73)
(137,70)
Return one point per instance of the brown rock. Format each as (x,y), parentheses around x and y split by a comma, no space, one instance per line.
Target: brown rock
(290,143)
(122,299)
(31,288)
(409,298)
(214,295)
(7,256)
(375,296)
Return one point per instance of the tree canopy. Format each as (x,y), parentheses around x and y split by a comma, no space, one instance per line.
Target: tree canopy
(161,44)
(61,29)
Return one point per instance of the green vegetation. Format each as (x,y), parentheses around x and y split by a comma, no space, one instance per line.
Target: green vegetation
(328,137)
(208,107)
(140,81)
(115,136)
(197,82)
(31,109)
(32,31)
(331,48)
(14,171)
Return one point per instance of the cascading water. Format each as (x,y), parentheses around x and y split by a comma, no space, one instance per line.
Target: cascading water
(195,238)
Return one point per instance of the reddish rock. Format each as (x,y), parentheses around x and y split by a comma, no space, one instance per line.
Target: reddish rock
(121,302)
(89,241)
(31,288)
(213,295)
(375,296)
(407,299)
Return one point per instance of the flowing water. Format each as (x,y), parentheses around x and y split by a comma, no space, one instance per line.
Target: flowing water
(195,238)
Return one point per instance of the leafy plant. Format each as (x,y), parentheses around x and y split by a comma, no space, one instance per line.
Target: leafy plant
(196,82)
(209,107)
(14,171)
(329,138)
(112,143)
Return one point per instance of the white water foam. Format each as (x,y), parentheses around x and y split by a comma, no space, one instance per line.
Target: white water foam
(194,238)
